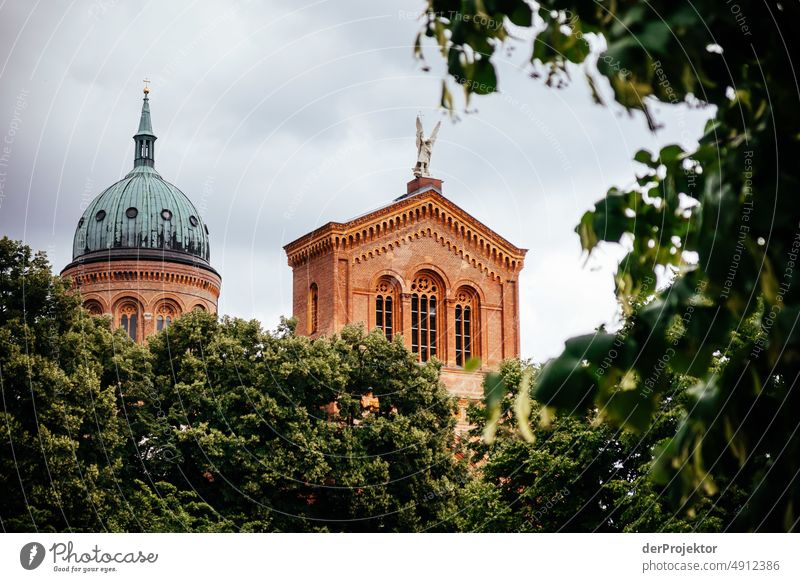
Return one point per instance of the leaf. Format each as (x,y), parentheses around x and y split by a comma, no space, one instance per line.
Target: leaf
(670,153)
(564,383)
(454,65)
(660,469)
(494,389)
(484,77)
(472,365)
(585,230)
(522,407)
(630,409)
(592,346)
(490,430)
(655,36)
(596,97)
(418,47)
(546,416)
(576,49)
(447,98)
(705,400)
(522,15)
(644,157)
(610,221)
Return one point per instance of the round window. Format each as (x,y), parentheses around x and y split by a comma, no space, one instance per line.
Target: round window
(131,212)
(193,220)
(166,214)
(101,214)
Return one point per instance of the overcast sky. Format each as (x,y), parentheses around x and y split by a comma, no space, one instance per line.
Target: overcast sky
(277,117)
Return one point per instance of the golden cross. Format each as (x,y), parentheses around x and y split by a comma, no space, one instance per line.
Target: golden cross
(146,82)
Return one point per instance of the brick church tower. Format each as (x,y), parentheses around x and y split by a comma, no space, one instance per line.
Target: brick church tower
(420,267)
(141,250)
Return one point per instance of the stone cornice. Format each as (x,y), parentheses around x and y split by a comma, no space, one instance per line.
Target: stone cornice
(500,271)
(165,256)
(386,222)
(97,273)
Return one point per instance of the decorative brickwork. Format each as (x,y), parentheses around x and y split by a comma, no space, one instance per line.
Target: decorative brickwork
(420,267)
(149,293)
(141,251)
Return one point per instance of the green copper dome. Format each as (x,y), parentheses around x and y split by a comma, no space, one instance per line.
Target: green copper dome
(142,213)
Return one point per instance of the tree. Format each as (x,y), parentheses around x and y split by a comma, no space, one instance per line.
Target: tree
(576,474)
(67,460)
(279,432)
(213,425)
(721,220)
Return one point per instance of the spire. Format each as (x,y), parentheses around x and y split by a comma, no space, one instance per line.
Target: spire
(145,126)
(145,138)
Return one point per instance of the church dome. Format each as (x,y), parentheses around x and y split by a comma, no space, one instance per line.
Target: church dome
(141,211)
(142,214)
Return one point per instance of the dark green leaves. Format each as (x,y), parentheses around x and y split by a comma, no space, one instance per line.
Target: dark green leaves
(644,157)
(521,14)
(709,288)
(592,347)
(567,383)
(629,408)
(494,392)
(481,77)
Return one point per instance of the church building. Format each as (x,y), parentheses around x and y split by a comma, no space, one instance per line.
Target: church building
(141,250)
(420,267)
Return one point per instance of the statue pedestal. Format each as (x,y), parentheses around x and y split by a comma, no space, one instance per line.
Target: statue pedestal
(423,182)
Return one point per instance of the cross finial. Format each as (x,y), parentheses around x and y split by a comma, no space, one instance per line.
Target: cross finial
(146,87)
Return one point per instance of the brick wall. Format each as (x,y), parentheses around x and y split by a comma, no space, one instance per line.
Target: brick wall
(422,232)
(104,286)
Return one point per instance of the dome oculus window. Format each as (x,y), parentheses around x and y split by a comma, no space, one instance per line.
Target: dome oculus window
(101,214)
(131,212)
(193,220)
(80,222)
(166,214)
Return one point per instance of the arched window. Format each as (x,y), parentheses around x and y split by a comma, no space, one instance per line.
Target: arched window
(313,309)
(93,307)
(166,313)
(466,325)
(424,316)
(129,319)
(386,307)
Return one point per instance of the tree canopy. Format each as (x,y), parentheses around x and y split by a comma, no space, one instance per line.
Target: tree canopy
(720,224)
(682,419)
(578,474)
(214,425)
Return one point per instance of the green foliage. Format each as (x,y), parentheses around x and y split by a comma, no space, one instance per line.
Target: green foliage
(578,474)
(218,425)
(720,225)
(246,408)
(67,461)
(213,425)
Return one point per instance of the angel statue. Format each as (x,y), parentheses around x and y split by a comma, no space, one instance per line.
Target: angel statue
(424,148)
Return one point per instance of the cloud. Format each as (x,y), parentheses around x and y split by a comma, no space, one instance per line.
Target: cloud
(278,117)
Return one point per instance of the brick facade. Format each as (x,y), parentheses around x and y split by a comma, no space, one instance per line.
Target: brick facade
(141,252)
(419,250)
(153,290)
